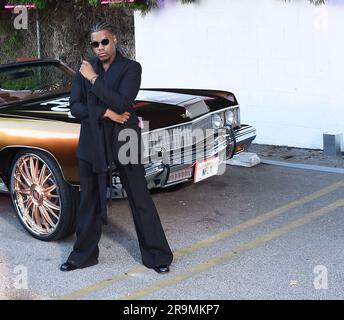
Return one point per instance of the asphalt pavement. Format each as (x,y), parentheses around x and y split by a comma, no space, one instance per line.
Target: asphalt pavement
(266,232)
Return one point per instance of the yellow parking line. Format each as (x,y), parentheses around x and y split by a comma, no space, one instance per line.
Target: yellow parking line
(275,233)
(259,219)
(207,242)
(101,284)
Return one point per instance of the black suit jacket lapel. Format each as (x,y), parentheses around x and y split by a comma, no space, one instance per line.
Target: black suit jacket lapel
(113,74)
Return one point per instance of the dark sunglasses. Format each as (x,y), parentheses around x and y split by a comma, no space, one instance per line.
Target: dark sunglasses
(104,42)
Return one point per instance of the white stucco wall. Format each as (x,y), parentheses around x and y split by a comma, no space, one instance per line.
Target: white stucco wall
(284,61)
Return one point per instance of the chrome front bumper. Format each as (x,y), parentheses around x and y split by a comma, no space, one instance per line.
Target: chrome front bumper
(160,175)
(245,135)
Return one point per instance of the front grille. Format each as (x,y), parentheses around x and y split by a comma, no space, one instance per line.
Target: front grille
(203,124)
(180,136)
(184,144)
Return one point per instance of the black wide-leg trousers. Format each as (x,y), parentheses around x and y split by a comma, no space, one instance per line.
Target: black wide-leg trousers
(153,244)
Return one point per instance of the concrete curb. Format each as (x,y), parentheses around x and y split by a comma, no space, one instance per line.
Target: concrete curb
(244,159)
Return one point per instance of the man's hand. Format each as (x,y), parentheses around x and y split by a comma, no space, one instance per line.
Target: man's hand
(119,118)
(87,70)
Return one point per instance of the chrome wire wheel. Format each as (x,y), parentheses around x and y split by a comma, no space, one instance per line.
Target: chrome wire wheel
(35,194)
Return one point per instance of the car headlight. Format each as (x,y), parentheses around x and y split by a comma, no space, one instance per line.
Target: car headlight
(217,121)
(230,118)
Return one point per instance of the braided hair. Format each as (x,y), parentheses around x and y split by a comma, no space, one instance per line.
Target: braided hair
(102,25)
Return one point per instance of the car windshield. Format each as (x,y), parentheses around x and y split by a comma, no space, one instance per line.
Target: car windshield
(24,82)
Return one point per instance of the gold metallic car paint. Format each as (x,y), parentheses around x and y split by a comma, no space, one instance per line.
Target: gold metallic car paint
(58,138)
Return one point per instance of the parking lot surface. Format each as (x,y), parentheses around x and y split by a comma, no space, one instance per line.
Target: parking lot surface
(266,232)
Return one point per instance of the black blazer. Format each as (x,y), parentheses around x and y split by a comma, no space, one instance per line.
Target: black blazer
(115,89)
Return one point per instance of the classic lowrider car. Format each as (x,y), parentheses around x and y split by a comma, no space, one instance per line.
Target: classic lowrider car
(39,137)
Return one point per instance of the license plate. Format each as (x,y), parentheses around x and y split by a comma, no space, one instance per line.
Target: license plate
(206,169)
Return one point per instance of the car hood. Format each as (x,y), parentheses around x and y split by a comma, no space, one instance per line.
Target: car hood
(160,108)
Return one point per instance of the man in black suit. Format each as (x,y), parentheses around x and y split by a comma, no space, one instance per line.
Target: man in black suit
(102,96)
